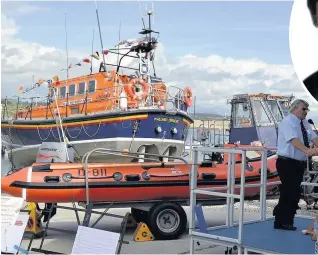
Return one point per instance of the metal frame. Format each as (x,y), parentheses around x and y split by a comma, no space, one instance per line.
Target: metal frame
(134,155)
(89,205)
(88,212)
(230,196)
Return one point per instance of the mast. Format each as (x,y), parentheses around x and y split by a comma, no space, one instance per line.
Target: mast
(92,53)
(66,50)
(100,35)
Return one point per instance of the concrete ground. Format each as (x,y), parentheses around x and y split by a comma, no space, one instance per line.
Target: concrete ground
(215,215)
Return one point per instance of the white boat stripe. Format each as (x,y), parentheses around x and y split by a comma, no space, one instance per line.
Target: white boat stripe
(29,178)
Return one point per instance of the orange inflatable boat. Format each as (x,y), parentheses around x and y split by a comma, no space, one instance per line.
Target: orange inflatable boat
(124,182)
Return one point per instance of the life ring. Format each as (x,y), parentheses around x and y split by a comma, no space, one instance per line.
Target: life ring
(188,97)
(131,89)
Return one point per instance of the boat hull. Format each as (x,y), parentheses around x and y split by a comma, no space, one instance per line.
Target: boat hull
(137,124)
(123,182)
(136,131)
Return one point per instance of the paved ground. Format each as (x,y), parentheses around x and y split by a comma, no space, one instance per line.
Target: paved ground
(63,242)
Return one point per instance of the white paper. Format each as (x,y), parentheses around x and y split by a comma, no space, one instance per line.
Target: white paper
(10,207)
(95,241)
(12,235)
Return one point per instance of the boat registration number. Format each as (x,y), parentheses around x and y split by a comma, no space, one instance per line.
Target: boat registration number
(94,172)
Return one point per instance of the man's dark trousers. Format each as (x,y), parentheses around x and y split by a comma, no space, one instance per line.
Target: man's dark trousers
(291,174)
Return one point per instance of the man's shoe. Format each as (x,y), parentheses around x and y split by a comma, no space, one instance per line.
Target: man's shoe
(284,226)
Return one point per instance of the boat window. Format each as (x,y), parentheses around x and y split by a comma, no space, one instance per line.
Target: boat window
(81,88)
(273,105)
(62,92)
(261,115)
(91,86)
(71,90)
(74,110)
(242,115)
(284,106)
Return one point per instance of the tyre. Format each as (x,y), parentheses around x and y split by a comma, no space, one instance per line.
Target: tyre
(167,221)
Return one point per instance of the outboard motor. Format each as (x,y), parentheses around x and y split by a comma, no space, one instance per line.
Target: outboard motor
(53,152)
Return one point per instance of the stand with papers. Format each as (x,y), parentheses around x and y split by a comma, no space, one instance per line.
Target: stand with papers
(13,224)
(110,243)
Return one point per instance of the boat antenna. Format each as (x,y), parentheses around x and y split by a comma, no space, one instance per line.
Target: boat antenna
(100,35)
(118,42)
(153,10)
(143,22)
(116,75)
(92,53)
(66,50)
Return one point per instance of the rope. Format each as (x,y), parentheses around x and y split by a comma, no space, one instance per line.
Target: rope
(74,137)
(95,132)
(41,136)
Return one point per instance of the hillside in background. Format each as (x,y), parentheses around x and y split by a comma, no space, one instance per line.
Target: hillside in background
(206,116)
(12,107)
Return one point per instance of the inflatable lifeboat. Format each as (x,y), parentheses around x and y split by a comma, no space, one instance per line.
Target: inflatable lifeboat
(125,182)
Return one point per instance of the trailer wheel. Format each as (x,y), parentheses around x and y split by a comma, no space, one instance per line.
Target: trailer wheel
(167,221)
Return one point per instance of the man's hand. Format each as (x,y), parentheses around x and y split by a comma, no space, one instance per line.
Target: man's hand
(312,152)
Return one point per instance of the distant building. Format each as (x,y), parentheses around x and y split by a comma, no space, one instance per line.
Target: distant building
(210,121)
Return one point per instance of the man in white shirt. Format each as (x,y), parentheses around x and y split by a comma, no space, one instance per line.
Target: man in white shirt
(294,137)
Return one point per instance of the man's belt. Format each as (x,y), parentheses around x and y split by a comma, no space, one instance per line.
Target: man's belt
(296,160)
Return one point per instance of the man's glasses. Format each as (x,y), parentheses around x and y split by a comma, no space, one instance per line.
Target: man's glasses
(306,109)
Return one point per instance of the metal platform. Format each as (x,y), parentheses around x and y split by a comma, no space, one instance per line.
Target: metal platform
(261,237)
(255,236)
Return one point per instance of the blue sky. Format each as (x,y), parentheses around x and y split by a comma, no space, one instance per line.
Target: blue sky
(236,29)
(237,47)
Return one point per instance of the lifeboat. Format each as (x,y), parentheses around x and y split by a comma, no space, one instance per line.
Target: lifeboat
(125,182)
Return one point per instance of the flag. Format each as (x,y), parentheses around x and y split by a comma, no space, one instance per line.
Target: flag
(105,52)
(95,56)
(49,82)
(40,82)
(86,60)
(20,89)
(79,64)
(56,80)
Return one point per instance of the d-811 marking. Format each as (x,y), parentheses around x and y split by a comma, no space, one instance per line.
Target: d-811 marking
(95,172)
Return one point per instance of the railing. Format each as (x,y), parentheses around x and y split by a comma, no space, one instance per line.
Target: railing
(100,100)
(230,196)
(134,155)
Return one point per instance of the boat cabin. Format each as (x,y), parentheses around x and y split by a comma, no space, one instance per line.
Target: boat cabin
(255,118)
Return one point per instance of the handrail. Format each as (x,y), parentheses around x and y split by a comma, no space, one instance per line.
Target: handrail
(120,153)
(164,96)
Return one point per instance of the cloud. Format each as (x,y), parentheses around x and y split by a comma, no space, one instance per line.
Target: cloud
(8,26)
(27,9)
(15,8)
(213,78)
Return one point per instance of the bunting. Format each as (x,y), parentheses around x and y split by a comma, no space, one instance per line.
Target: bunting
(55,79)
